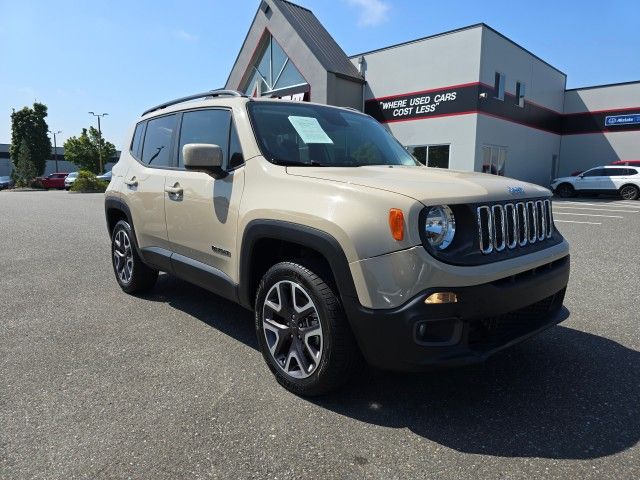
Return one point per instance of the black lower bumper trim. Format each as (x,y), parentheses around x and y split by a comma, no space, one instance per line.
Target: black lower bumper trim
(487,318)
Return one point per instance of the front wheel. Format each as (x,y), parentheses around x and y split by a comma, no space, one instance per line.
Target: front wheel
(629,192)
(132,275)
(302,331)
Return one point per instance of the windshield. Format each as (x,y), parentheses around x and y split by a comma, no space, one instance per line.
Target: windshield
(313,135)
(5,179)
(72,175)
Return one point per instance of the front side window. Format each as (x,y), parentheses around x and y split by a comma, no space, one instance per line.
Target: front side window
(205,126)
(306,135)
(594,172)
(157,141)
(498,86)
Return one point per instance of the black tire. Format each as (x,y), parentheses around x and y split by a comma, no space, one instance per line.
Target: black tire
(565,190)
(629,192)
(339,357)
(140,277)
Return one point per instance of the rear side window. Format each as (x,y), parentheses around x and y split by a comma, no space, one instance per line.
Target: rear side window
(615,172)
(157,141)
(205,126)
(137,140)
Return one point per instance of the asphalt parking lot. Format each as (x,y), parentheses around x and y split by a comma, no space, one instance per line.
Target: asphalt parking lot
(98,384)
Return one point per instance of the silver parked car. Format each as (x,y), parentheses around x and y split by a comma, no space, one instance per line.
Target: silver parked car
(70,179)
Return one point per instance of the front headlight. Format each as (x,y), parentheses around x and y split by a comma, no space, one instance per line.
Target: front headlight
(440,226)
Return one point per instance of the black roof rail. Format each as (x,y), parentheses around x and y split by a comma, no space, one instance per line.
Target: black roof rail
(211,93)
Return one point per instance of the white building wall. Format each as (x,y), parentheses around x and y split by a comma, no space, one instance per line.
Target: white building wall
(529,151)
(544,84)
(586,150)
(459,132)
(441,61)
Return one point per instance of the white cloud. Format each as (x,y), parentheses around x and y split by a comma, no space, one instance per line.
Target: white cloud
(186,36)
(372,12)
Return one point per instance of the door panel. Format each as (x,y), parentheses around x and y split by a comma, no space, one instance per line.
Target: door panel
(202,220)
(143,192)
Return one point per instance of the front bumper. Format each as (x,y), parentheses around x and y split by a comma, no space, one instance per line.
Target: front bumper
(487,318)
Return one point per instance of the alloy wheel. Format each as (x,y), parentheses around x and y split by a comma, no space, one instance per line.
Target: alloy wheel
(123,256)
(628,193)
(292,329)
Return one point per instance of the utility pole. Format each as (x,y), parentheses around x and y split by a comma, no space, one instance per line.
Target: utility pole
(55,146)
(99,135)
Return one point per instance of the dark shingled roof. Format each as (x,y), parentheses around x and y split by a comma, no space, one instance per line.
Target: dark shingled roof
(316,37)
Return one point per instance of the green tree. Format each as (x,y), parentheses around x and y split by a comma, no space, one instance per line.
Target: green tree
(29,125)
(25,167)
(84,151)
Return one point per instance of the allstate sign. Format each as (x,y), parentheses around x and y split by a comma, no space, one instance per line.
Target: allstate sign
(630,119)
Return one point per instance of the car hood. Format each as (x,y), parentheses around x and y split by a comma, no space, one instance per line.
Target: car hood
(427,185)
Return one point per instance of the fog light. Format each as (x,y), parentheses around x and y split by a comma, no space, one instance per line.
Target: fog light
(442,297)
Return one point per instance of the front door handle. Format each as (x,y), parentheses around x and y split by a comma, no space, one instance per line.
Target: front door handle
(175,191)
(132,183)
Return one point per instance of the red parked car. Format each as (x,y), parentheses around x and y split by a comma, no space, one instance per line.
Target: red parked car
(54,180)
(629,163)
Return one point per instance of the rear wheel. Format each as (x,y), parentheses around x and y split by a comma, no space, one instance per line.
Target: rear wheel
(131,273)
(629,192)
(565,190)
(302,331)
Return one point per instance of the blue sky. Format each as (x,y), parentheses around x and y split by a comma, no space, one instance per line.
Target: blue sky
(121,57)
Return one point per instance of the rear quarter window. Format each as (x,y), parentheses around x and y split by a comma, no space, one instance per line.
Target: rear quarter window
(136,141)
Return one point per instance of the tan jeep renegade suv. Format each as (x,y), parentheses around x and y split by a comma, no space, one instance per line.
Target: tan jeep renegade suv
(345,247)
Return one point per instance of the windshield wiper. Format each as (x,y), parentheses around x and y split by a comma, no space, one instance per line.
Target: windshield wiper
(297,163)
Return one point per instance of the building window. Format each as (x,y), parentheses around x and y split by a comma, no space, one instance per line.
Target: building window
(494,159)
(436,156)
(273,72)
(520,93)
(498,86)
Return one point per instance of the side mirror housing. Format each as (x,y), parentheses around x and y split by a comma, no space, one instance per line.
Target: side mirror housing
(203,156)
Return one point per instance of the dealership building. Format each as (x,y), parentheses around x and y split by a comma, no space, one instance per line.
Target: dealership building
(467,99)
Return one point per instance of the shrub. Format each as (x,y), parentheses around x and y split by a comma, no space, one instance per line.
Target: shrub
(35,183)
(87,183)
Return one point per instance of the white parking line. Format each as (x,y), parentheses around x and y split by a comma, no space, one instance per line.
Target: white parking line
(598,209)
(575,221)
(588,215)
(601,204)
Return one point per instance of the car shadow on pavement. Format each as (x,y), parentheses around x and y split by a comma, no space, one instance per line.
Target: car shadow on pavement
(217,312)
(565,394)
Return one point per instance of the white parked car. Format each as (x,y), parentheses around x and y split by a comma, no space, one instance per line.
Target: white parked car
(69,179)
(612,179)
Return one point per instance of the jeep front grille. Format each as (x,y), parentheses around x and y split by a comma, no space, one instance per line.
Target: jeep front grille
(513,225)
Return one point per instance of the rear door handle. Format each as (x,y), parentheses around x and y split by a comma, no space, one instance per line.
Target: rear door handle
(132,183)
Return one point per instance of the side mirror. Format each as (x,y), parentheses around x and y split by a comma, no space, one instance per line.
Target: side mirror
(203,156)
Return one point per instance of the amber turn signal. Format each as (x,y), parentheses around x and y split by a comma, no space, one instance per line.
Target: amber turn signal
(396,223)
(442,297)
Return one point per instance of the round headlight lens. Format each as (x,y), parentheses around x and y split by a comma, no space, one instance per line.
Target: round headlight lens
(440,226)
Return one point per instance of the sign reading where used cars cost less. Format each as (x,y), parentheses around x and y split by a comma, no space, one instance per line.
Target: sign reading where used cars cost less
(424,104)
